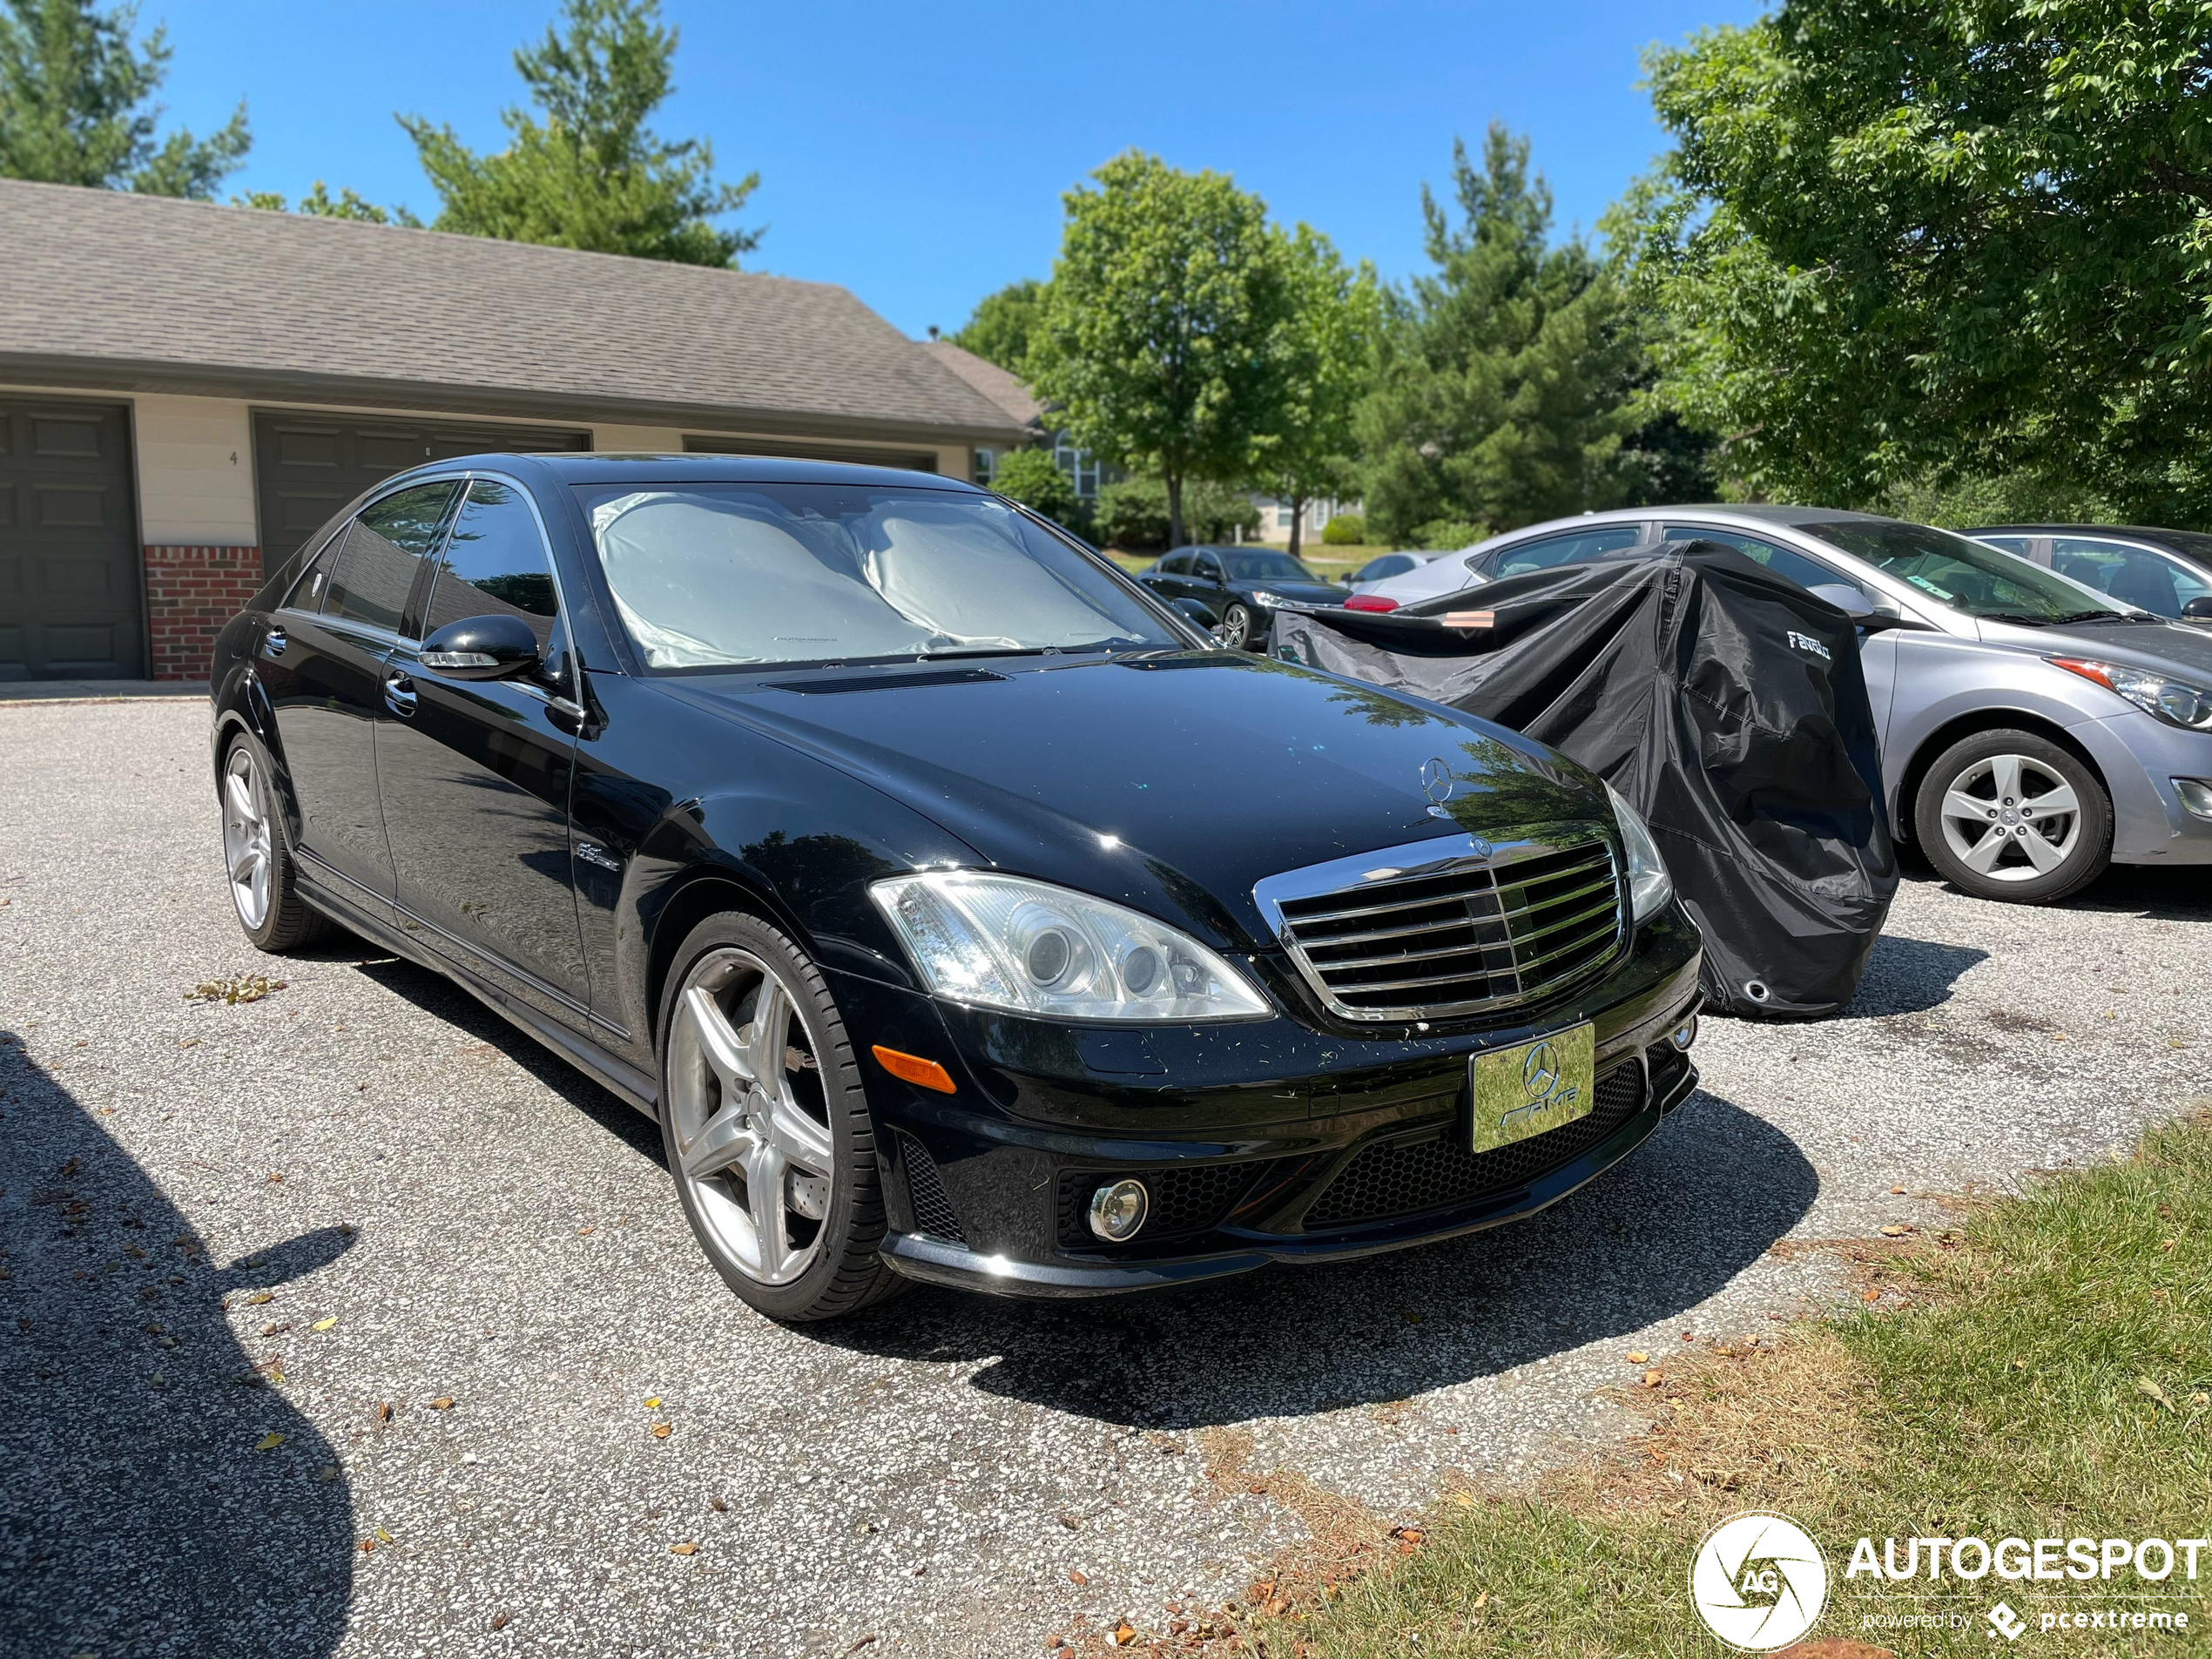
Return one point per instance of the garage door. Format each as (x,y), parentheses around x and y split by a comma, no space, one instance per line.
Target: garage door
(307,466)
(69,543)
(912,460)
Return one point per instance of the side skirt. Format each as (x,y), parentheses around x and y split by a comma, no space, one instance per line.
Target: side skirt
(618,1076)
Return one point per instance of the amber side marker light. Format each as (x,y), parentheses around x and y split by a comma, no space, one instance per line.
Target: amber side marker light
(912,1068)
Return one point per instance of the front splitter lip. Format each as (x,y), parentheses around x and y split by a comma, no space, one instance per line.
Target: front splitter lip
(937,1262)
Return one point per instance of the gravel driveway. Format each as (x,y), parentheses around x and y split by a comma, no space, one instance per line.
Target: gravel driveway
(518,1413)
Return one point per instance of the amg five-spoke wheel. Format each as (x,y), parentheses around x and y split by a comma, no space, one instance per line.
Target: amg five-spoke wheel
(765,1127)
(265,890)
(2013,815)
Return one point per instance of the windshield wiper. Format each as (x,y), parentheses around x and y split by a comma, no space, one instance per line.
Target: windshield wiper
(2019,618)
(2112,615)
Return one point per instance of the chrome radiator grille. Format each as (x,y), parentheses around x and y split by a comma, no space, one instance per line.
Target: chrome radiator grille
(1475,929)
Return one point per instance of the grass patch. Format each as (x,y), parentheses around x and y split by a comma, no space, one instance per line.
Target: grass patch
(2045,1370)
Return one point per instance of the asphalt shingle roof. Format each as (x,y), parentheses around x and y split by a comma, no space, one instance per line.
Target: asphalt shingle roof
(152,294)
(1008,390)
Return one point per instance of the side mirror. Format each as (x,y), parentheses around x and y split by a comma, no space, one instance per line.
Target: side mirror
(481,648)
(2199,609)
(1851,601)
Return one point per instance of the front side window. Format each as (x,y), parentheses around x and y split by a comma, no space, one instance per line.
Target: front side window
(1179,565)
(2135,576)
(1207,567)
(495,563)
(1967,576)
(717,575)
(384,550)
(1569,549)
(1780,560)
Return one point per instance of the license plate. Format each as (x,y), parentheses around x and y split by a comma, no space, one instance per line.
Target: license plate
(1540,1085)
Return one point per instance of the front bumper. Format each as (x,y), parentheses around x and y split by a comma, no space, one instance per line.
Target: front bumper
(1281,1144)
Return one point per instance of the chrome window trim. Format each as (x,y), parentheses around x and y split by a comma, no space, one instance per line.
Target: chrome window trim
(570,705)
(1444,855)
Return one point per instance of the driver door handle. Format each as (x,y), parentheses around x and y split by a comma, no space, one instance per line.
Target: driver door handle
(399,694)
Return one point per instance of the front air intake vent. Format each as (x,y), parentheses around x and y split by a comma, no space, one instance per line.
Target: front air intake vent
(933,1205)
(1414,936)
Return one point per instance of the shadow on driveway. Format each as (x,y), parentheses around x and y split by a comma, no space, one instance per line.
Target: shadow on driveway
(136,1515)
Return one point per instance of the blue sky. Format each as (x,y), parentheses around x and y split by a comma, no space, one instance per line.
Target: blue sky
(916,154)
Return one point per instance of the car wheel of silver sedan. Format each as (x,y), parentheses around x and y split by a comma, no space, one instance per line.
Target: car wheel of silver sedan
(764,1126)
(265,890)
(2012,815)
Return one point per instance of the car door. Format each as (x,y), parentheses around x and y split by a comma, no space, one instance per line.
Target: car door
(1210,582)
(476,774)
(326,684)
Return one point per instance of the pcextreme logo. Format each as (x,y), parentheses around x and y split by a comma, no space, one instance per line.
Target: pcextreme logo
(1758,1581)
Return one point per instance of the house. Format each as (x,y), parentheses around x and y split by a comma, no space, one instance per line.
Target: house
(188,390)
(1011,393)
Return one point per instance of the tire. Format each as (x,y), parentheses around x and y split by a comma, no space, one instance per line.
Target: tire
(258,867)
(809,1133)
(1236,626)
(2012,816)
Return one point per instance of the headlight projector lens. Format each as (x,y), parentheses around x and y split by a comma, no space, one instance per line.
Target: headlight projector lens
(1118,1210)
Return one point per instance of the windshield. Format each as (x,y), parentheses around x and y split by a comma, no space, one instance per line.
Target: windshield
(1266,567)
(1967,576)
(715,575)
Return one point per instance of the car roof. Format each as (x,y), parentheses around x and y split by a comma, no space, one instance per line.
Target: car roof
(2146,532)
(604,467)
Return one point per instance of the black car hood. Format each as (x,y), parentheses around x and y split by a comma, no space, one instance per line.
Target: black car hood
(1306,593)
(1171,781)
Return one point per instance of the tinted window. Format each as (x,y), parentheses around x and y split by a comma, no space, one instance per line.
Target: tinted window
(1389,564)
(1267,567)
(717,575)
(2022,547)
(1207,567)
(2135,575)
(383,552)
(1967,576)
(495,563)
(307,592)
(1567,549)
(1780,560)
(1177,565)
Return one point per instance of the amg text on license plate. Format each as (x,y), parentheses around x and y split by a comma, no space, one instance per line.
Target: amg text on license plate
(1540,1085)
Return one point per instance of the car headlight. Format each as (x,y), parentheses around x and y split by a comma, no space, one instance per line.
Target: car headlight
(2173,701)
(1270,601)
(1650,885)
(1002,942)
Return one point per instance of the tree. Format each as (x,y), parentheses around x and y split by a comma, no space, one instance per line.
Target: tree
(1335,316)
(1164,330)
(1507,379)
(1911,242)
(592,175)
(998,330)
(76,109)
(320,204)
(1034,479)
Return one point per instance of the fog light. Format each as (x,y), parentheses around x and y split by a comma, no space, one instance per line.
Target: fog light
(1118,1210)
(1683,1035)
(2196,795)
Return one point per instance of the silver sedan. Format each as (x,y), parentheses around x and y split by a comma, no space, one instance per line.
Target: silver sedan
(2032,732)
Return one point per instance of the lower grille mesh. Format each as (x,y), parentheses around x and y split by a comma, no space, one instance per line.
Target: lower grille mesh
(1406,1177)
(933,1206)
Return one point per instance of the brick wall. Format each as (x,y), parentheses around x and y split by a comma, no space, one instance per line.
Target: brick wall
(191,593)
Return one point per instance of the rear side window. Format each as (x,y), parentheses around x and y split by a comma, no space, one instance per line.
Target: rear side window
(495,563)
(1541,555)
(1807,573)
(315,581)
(383,553)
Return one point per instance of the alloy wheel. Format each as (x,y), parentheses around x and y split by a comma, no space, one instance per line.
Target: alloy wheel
(246,837)
(1237,627)
(751,1138)
(2010,818)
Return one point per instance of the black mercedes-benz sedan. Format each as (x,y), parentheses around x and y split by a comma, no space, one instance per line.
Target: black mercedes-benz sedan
(960,910)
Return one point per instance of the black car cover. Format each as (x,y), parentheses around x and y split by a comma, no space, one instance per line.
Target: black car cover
(1725,703)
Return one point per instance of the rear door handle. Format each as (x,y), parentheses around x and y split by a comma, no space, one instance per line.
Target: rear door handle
(399,695)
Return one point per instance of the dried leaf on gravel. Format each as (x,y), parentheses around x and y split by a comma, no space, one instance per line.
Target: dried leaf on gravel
(1895,1230)
(240,987)
(1652,1378)
(1122,1634)
(383,1412)
(260,1296)
(1078,1578)
(499,1619)
(442,1403)
(662,1431)
(684,1549)
(653,1402)
(1638,1357)
(324,1324)
(269,1442)
(717,1506)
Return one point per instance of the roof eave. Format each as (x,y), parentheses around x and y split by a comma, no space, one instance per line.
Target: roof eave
(124,374)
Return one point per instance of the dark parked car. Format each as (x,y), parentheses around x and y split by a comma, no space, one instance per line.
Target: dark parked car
(960,911)
(1239,589)
(2168,573)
